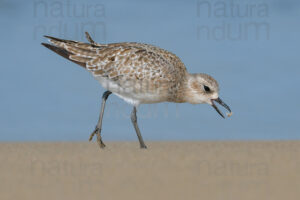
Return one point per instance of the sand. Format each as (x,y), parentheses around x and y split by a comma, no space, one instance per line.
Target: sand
(166,170)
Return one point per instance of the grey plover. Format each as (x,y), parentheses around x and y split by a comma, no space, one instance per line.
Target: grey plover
(139,74)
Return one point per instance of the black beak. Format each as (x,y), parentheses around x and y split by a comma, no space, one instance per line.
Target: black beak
(218,100)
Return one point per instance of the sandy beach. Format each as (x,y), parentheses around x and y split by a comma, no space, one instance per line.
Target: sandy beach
(166,170)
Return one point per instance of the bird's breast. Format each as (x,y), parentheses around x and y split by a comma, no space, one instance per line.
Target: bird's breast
(133,92)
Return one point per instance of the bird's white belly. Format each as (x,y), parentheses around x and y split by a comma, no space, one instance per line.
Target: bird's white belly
(128,93)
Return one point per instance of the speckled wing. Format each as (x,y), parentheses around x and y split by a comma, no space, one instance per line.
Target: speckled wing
(132,62)
(119,62)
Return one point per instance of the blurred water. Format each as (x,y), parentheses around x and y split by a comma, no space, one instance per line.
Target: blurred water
(250,47)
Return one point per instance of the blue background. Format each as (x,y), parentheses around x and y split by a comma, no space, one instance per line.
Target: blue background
(47,98)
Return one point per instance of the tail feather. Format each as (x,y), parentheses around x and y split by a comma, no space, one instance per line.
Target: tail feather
(77,52)
(60,40)
(64,53)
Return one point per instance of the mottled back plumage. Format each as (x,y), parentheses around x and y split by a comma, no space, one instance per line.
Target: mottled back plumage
(134,67)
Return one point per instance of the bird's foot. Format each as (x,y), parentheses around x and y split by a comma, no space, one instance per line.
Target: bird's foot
(97,132)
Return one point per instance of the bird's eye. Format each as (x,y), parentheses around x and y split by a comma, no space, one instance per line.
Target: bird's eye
(206,88)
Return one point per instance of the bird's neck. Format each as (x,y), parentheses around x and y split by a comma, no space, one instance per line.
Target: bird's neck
(186,91)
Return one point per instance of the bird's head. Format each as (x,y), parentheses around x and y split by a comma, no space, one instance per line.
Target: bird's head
(202,88)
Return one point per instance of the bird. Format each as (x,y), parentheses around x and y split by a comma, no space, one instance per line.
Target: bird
(139,74)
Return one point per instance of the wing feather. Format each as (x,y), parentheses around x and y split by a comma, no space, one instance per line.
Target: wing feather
(121,61)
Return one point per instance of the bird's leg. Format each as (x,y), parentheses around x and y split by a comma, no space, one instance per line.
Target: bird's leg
(137,130)
(97,130)
(89,38)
